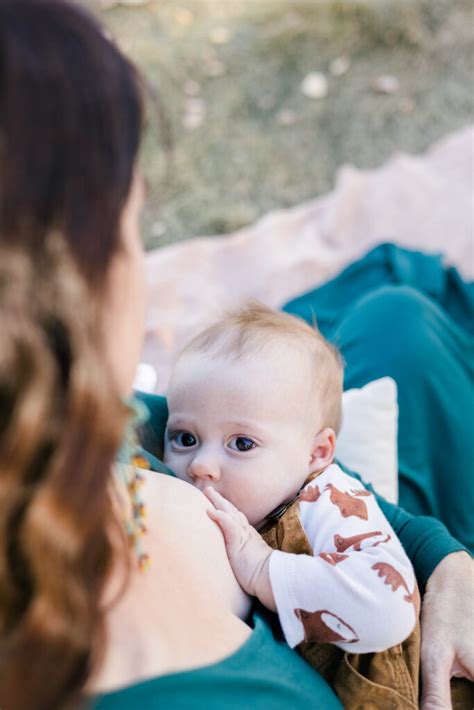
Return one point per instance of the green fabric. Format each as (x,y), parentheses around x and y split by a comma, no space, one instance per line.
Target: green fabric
(263,674)
(153,431)
(403,314)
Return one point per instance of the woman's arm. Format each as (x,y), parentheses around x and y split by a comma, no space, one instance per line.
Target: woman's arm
(444,570)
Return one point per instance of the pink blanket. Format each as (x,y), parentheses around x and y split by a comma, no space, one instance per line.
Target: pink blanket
(421,202)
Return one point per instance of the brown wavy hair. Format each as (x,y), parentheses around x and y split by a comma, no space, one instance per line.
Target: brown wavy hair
(70,125)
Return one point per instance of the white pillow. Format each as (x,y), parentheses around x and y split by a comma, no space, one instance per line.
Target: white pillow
(367,442)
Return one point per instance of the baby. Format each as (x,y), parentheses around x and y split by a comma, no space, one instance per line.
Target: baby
(254,409)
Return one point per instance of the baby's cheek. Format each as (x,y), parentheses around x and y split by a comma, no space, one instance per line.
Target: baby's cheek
(174,463)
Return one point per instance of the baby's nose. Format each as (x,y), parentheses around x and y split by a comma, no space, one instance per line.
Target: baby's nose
(204,469)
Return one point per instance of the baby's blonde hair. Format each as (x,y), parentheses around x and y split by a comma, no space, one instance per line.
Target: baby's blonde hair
(255,327)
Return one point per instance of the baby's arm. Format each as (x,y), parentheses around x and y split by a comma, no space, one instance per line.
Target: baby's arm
(358,590)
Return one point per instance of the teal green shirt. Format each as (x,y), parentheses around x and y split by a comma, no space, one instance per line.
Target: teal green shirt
(263,674)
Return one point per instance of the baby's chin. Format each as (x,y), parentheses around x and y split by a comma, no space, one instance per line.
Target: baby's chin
(275,513)
(263,520)
(256,522)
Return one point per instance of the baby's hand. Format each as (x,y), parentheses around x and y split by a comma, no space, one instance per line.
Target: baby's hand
(248,553)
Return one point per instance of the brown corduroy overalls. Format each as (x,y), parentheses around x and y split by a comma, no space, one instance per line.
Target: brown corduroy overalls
(387,680)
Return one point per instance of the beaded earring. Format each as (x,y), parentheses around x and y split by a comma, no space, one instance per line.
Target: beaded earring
(128,461)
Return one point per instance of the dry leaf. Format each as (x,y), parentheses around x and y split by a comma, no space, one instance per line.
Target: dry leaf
(386,84)
(195,113)
(339,66)
(315,85)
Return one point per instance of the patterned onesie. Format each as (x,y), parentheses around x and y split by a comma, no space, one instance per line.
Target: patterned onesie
(344,586)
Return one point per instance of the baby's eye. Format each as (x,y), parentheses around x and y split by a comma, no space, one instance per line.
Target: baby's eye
(183,438)
(242,443)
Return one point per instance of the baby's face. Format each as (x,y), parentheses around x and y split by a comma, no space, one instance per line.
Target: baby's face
(241,427)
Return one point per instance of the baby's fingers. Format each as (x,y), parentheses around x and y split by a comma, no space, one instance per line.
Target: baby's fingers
(228,525)
(219,502)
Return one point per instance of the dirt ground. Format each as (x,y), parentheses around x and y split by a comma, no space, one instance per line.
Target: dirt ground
(234,133)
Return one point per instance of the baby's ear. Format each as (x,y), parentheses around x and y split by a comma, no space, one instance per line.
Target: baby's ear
(322,451)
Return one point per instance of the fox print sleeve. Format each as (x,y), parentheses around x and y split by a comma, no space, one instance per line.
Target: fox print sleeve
(358,589)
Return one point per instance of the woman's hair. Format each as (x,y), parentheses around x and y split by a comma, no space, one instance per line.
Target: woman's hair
(70,124)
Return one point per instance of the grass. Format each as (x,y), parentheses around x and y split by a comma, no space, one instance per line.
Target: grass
(261,143)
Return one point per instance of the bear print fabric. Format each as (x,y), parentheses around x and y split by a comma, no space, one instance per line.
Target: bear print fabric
(357,589)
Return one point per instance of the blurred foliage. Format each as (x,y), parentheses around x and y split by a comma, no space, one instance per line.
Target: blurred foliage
(231,135)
